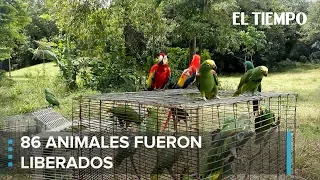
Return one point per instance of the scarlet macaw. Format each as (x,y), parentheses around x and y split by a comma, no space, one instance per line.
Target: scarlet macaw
(188,76)
(159,74)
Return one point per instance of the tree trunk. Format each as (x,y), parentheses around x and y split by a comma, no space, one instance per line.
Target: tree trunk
(192,49)
(10,67)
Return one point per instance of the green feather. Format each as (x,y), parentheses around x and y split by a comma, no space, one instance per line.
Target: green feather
(250,81)
(207,81)
(126,114)
(50,97)
(233,135)
(264,121)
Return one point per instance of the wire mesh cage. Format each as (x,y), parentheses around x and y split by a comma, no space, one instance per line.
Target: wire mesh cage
(13,128)
(240,136)
(44,152)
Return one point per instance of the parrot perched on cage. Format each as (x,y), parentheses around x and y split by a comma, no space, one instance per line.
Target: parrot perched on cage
(249,65)
(159,74)
(51,98)
(166,157)
(207,80)
(251,80)
(225,144)
(264,121)
(188,76)
(126,115)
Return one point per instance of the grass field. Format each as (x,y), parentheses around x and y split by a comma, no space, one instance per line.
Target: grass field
(25,94)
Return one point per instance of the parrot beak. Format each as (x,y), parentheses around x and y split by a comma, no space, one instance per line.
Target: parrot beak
(265,74)
(161,62)
(214,67)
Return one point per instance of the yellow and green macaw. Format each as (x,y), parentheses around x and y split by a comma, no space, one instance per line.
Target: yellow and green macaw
(248,65)
(207,80)
(251,80)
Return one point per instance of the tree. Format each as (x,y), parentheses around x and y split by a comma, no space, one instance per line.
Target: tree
(13,18)
(311,29)
(253,40)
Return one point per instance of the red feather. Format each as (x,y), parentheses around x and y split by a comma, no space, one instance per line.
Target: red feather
(195,63)
(161,74)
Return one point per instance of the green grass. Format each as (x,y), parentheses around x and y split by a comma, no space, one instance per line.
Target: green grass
(306,82)
(26,94)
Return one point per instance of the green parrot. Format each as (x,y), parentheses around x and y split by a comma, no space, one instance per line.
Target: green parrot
(251,80)
(166,158)
(126,114)
(51,98)
(249,65)
(207,80)
(225,144)
(263,122)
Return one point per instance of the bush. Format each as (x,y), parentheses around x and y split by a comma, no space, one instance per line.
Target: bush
(285,65)
(113,77)
(315,57)
(303,59)
(205,54)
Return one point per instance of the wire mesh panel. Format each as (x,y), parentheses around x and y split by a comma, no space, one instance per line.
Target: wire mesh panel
(241,136)
(64,172)
(13,128)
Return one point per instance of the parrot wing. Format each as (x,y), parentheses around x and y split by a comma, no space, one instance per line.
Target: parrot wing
(215,77)
(259,88)
(168,77)
(244,79)
(48,92)
(126,113)
(151,76)
(52,100)
(184,80)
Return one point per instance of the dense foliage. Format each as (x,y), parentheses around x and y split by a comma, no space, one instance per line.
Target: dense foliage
(110,45)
